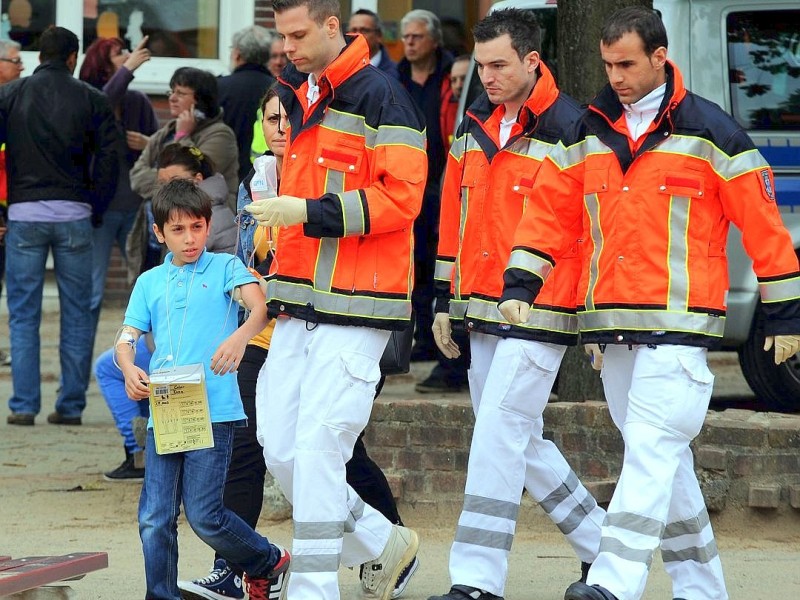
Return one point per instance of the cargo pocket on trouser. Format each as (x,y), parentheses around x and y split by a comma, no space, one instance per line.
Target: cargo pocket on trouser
(530,377)
(349,413)
(698,384)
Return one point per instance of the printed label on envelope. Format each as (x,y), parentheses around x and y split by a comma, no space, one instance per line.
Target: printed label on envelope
(179,407)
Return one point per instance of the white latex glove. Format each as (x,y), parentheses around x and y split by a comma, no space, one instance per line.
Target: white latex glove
(281,211)
(593,350)
(442,330)
(515,311)
(786,346)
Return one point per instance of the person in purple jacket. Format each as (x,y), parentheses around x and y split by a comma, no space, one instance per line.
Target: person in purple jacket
(109,67)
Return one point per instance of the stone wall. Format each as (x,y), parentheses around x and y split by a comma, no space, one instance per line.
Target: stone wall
(743,458)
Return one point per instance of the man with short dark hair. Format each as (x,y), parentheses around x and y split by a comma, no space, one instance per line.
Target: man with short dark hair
(656,176)
(368,24)
(60,136)
(351,185)
(242,90)
(491,167)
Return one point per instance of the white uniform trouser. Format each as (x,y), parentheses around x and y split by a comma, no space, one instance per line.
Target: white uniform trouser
(658,397)
(510,382)
(313,398)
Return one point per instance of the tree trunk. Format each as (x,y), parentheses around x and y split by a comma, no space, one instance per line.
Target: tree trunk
(581,75)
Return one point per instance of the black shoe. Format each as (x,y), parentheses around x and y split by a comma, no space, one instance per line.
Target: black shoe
(585,571)
(20,419)
(465,592)
(581,591)
(437,385)
(127,471)
(57,418)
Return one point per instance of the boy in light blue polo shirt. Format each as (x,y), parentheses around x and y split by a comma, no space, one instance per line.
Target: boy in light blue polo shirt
(187,304)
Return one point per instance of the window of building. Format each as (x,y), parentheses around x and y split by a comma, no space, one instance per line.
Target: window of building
(764,63)
(181,33)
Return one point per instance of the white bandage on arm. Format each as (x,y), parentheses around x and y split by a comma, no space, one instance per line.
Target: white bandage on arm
(127,336)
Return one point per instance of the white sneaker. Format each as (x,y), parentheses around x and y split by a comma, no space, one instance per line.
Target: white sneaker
(404,578)
(378,577)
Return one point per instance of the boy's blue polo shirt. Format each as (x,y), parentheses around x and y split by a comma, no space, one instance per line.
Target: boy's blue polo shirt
(200,304)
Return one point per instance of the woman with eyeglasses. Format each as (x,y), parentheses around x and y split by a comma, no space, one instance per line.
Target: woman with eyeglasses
(109,67)
(196,121)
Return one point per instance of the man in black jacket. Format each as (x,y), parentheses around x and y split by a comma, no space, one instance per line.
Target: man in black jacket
(60,136)
(240,92)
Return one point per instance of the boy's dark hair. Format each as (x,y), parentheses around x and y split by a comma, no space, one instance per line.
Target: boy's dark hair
(57,43)
(204,85)
(645,22)
(181,196)
(189,157)
(319,10)
(520,25)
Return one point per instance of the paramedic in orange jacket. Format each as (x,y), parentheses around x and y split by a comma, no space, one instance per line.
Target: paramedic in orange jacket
(353,176)
(660,173)
(491,168)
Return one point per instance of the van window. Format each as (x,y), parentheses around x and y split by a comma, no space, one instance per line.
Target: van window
(764,59)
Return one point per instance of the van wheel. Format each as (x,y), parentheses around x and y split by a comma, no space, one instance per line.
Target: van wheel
(777,387)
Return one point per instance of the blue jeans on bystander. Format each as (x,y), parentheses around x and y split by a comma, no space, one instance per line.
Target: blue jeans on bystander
(197,478)
(27,247)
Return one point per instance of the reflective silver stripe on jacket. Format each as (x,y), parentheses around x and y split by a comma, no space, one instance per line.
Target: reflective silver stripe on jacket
(780,291)
(651,320)
(338,304)
(522,259)
(550,320)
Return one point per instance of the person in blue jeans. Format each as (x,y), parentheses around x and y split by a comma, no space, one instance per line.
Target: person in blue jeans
(61,141)
(187,303)
(111,382)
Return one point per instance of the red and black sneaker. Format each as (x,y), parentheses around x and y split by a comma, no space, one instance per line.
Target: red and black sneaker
(273,585)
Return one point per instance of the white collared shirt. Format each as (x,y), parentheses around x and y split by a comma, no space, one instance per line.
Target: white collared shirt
(313,89)
(376,60)
(505,129)
(640,115)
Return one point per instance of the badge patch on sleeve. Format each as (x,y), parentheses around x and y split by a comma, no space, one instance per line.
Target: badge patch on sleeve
(769,187)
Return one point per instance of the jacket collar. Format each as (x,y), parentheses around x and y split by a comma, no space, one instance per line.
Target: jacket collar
(542,97)
(608,105)
(52,65)
(353,57)
(251,67)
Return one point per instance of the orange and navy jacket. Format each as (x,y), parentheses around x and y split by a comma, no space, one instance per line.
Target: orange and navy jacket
(486,191)
(358,156)
(656,214)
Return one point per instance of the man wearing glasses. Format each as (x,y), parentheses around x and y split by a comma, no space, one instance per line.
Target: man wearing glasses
(368,24)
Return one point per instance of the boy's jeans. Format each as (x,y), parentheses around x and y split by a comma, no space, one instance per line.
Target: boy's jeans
(197,478)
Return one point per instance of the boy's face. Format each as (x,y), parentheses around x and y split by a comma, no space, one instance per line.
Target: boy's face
(185,235)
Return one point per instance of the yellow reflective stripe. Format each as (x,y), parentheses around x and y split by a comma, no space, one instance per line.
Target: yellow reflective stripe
(458,147)
(328,251)
(549,320)
(338,304)
(530,148)
(725,166)
(522,259)
(352,213)
(461,228)
(443,271)
(678,253)
(458,308)
(780,291)
(592,204)
(396,135)
(345,122)
(651,320)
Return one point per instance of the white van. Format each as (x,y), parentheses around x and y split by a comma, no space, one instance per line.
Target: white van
(745,56)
